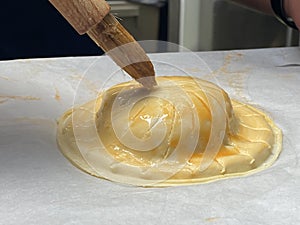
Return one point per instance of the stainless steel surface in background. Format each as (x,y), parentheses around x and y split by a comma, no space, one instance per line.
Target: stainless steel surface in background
(142,21)
(38,30)
(206,25)
(231,26)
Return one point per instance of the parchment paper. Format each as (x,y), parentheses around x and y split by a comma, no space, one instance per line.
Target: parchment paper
(39,186)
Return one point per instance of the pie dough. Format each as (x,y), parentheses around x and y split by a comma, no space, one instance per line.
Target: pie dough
(183,131)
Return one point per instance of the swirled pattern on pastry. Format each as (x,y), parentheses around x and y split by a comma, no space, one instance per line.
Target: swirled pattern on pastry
(183,131)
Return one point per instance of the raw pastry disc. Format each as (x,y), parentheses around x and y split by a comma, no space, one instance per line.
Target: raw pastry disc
(185,131)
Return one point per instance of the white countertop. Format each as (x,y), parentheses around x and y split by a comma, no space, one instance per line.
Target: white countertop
(39,186)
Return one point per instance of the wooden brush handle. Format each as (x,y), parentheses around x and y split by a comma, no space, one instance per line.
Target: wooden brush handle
(82,14)
(93,17)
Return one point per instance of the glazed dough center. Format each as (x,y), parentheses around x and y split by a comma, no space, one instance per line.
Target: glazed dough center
(184,131)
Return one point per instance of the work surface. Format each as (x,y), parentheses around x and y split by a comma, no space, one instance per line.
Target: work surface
(39,186)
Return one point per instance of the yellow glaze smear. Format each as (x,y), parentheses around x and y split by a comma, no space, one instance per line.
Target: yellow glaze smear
(131,135)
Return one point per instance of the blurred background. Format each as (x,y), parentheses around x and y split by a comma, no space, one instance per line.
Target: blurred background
(33,28)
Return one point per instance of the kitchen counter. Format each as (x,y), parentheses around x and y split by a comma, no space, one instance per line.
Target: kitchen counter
(39,186)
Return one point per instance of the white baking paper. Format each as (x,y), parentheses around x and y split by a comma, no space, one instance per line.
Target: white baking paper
(39,186)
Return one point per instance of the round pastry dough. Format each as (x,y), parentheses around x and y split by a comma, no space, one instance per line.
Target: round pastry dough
(183,131)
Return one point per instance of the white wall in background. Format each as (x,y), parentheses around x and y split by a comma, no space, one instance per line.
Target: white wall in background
(189,23)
